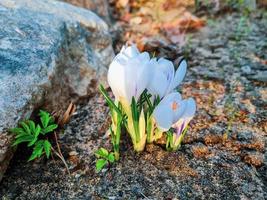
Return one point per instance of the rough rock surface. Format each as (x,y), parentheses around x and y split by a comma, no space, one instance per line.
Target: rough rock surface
(224,153)
(50,53)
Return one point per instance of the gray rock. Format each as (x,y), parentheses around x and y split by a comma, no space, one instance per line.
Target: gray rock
(260,76)
(50,53)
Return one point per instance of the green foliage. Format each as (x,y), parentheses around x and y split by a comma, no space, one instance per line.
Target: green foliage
(29,132)
(104,158)
(117,117)
(173,141)
(111,104)
(135,116)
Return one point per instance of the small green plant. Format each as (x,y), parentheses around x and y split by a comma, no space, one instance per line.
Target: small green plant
(117,120)
(35,135)
(104,158)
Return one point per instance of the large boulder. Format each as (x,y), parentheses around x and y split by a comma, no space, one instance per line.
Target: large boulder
(50,53)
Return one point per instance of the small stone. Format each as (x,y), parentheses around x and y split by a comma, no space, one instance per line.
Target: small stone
(77,176)
(245,136)
(246,69)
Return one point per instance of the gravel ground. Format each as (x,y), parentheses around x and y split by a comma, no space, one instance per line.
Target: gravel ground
(224,153)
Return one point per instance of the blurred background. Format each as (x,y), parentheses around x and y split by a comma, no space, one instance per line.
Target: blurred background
(166,23)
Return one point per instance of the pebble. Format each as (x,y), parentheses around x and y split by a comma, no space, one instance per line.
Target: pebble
(246,69)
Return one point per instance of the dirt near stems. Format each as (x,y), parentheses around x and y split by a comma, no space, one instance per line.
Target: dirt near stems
(224,153)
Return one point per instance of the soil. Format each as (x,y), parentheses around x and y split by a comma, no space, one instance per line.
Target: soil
(224,152)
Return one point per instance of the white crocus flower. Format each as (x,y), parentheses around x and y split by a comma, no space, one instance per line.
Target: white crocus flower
(129,74)
(169,110)
(183,122)
(165,79)
(173,112)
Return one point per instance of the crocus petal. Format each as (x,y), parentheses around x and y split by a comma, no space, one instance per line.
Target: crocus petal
(173,105)
(130,51)
(116,76)
(190,109)
(124,71)
(179,75)
(163,117)
(178,113)
(170,98)
(167,68)
(188,114)
(174,101)
(136,76)
(154,87)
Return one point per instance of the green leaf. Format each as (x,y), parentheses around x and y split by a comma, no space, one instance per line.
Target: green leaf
(100,163)
(36,153)
(111,104)
(32,142)
(111,158)
(49,128)
(43,113)
(24,138)
(32,157)
(39,143)
(38,150)
(26,127)
(21,135)
(147,98)
(102,153)
(37,131)
(47,148)
(17,131)
(134,110)
(31,125)
(45,118)
(135,116)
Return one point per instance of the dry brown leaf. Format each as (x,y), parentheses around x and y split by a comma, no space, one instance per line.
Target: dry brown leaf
(66,116)
(185,22)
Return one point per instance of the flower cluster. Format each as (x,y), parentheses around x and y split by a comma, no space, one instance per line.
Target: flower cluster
(146,103)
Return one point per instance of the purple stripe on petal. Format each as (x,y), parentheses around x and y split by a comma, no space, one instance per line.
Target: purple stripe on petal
(179,130)
(182,127)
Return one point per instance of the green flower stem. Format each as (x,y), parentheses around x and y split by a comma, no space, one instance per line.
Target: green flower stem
(115,130)
(174,143)
(169,140)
